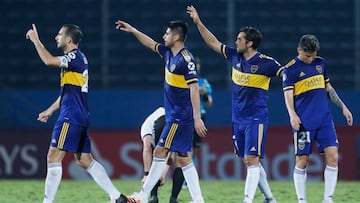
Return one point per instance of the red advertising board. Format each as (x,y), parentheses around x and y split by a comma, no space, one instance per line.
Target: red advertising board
(23,155)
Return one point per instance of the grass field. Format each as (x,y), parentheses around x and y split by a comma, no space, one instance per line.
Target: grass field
(70,191)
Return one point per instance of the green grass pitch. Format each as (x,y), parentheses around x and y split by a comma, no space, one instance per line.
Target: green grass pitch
(70,191)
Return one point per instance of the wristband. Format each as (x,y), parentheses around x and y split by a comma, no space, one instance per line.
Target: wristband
(146,173)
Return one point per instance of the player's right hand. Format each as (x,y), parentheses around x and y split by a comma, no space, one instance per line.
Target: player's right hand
(32,34)
(295,121)
(193,14)
(200,128)
(124,26)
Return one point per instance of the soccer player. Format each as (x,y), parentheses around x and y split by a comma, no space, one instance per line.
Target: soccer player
(307,89)
(251,74)
(206,101)
(151,130)
(182,106)
(71,131)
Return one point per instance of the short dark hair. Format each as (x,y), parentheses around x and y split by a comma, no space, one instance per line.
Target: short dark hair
(179,27)
(252,34)
(309,43)
(74,32)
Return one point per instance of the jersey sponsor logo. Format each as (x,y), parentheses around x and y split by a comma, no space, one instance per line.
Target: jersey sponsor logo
(238,65)
(310,83)
(254,68)
(175,80)
(319,68)
(250,80)
(302,74)
(191,67)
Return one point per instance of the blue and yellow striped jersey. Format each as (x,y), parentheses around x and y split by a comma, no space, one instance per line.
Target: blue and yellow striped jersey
(250,83)
(310,96)
(180,71)
(74,88)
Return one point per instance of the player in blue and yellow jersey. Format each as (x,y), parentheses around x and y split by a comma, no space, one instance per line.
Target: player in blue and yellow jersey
(182,106)
(307,89)
(206,101)
(251,73)
(71,131)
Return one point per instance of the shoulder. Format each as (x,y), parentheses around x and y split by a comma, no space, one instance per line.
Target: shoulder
(290,64)
(319,59)
(269,59)
(186,55)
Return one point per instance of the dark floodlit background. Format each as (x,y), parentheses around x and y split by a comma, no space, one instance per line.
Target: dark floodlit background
(126,79)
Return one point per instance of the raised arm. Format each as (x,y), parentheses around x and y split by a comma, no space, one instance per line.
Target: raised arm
(336,100)
(208,37)
(143,38)
(44,54)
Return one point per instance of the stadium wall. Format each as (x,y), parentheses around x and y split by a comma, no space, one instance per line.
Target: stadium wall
(126,109)
(23,155)
(116,119)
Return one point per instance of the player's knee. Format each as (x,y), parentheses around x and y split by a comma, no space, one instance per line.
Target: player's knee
(250,160)
(160,152)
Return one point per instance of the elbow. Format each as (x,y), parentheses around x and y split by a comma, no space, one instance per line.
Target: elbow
(47,63)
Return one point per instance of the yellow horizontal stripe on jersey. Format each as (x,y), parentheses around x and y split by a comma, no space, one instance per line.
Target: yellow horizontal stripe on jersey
(73,78)
(175,80)
(250,80)
(310,83)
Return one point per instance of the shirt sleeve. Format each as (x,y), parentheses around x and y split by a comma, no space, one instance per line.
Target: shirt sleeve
(147,126)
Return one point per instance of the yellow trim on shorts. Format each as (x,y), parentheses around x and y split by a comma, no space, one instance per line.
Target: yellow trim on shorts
(170,135)
(63,133)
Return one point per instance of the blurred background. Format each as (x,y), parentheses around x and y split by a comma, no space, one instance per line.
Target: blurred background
(126,79)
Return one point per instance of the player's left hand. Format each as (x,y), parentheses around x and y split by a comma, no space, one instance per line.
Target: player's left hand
(32,34)
(200,127)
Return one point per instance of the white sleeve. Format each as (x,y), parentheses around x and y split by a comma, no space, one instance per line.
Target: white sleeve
(148,125)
